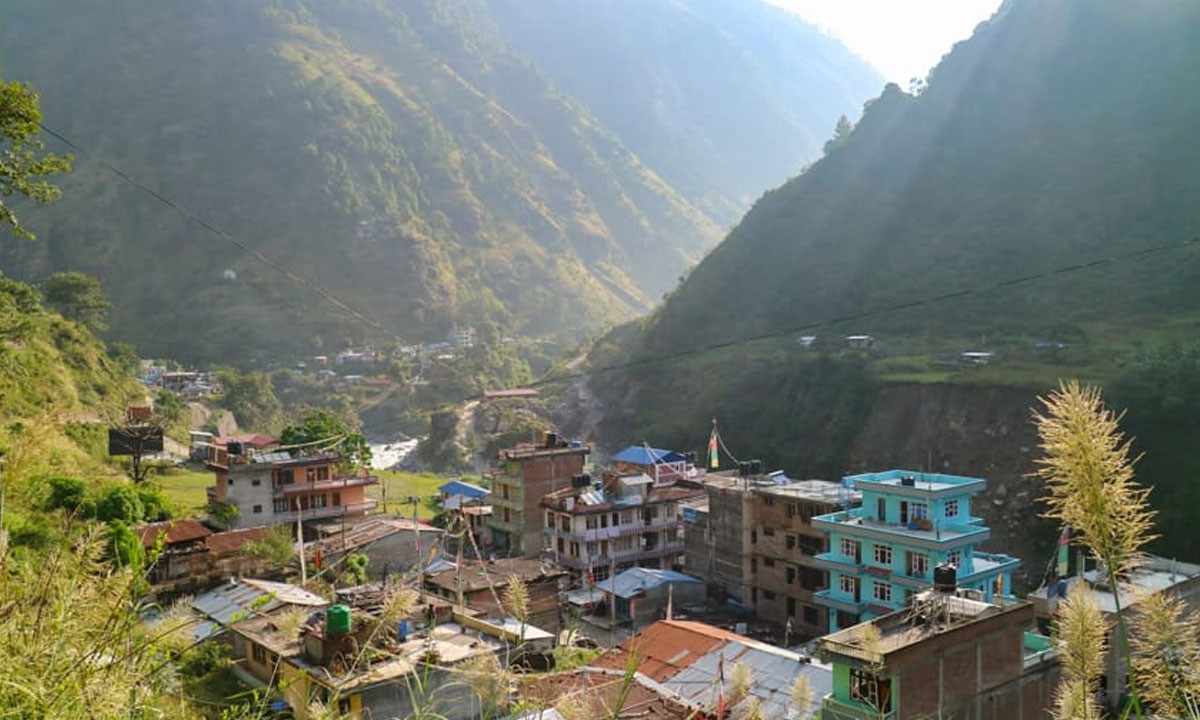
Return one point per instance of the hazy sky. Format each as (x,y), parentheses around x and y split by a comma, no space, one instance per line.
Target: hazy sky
(901,38)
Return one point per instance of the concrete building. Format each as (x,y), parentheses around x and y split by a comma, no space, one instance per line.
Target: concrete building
(948,656)
(638,598)
(617,523)
(754,542)
(882,553)
(1153,575)
(525,475)
(273,488)
(785,577)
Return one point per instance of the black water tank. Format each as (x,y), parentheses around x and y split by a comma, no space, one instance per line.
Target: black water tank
(908,481)
(945,578)
(234,447)
(551,439)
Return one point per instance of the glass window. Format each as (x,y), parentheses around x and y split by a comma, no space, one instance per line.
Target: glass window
(769,562)
(951,508)
(954,557)
(851,549)
(870,690)
(258,508)
(790,542)
(882,592)
(917,564)
(883,555)
(848,584)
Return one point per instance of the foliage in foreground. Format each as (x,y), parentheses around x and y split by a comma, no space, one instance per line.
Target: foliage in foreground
(1089,473)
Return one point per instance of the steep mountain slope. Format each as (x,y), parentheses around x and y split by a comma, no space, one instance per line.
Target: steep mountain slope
(1061,133)
(391,152)
(403,156)
(723,99)
(1059,145)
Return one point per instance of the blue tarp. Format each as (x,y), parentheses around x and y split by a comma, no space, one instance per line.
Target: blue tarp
(641,455)
(458,487)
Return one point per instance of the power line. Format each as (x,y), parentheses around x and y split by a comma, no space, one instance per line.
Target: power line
(875,312)
(190,216)
(658,357)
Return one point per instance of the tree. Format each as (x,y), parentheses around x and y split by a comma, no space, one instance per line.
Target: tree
(77,296)
(21,164)
(325,430)
(841,131)
(252,400)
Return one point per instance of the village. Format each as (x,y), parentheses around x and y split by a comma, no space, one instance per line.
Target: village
(682,586)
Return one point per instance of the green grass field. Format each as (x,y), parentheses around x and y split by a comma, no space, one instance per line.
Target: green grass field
(184,488)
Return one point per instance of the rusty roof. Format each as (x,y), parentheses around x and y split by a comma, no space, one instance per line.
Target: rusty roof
(370,531)
(175,531)
(595,691)
(233,540)
(477,575)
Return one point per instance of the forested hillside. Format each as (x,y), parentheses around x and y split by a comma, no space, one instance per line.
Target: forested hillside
(399,155)
(1036,199)
(724,100)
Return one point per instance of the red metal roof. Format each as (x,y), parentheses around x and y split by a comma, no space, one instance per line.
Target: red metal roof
(176,531)
(666,647)
(255,441)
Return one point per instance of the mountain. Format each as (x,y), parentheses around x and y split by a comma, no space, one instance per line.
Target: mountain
(400,157)
(1036,200)
(1059,134)
(724,99)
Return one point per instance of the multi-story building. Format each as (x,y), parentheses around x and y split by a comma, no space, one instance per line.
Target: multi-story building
(526,474)
(784,575)
(753,540)
(620,522)
(948,656)
(883,552)
(274,488)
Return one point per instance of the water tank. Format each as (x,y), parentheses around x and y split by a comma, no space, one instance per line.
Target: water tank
(234,447)
(551,439)
(337,620)
(908,481)
(945,578)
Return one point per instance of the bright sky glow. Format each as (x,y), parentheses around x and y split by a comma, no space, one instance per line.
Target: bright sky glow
(902,39)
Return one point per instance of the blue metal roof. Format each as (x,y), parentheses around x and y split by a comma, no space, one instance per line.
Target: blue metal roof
(458,487)
(641,455)
(629,583)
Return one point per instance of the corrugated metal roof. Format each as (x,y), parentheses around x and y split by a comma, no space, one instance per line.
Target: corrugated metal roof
(176,531)
(630,582)
(240,599)
(686,657)
(641,455)
(367,532)
(458,487)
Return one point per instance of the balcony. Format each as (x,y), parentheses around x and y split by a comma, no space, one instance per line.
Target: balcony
(837,561)
(359,508)
(852,523)
(323,486)
(840,601)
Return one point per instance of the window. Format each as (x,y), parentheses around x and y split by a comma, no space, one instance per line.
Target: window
(791,607)
(550,520)
(281,506)
(768,531)
(811,545)
(753,565)
(867,688)
(310,475)
(257,509)
(916,564)
(882,592)
(954,557)
(791,575)
(574,549)
(592,549)
(507,516)
(258,653)
(791,510)
(323,472)
(951,508)
(604,520)
(851,549)
(849,585)
(562,546)
(768,595)
(812,578)
(504,491)
(320,501)
(614,520)
(919,511)
(883,555)
(255,483)
(565,523)
(753,533)
(768,500)
(789,542)
(590,522)
(811,615)
(769,562)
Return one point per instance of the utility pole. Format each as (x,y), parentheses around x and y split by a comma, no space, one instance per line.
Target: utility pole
(3,532)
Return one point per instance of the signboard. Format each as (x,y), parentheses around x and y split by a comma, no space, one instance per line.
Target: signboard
(135,440)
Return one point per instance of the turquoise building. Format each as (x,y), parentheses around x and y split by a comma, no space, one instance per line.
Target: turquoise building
(883,552)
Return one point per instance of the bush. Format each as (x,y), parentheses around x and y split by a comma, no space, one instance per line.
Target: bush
(120,503)
(67,493)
